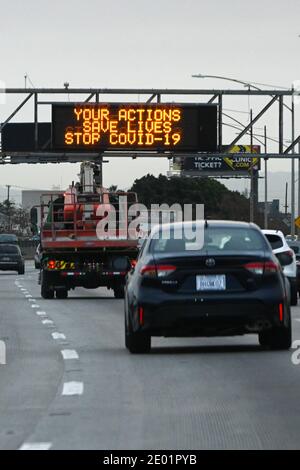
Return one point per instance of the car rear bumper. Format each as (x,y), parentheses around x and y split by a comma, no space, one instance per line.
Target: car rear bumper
(203,317)
(9,266)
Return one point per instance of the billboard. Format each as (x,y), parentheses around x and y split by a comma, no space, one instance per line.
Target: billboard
(219,166)
(163,127)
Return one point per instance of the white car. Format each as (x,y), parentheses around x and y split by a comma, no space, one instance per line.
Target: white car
(287,259)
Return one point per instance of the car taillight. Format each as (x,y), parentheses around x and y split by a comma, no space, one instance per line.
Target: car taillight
(161,270)
(259,268)
(149,270)
(165,270)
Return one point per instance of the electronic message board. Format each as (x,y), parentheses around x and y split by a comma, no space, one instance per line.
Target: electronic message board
(166,127)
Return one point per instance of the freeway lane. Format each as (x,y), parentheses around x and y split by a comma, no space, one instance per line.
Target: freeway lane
(188,393)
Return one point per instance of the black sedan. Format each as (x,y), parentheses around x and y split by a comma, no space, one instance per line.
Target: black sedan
(224,282)
(11,259)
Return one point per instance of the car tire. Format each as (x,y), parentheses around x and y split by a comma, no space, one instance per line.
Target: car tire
(279,338)
(294,294)
(46,293)
(37,265)
(136,343)
(119,292)
(62,294)
(21,270)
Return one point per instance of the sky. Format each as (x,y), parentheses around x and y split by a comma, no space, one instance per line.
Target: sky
(142,44)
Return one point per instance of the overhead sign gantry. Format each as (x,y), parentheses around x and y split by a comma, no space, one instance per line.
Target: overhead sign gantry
(92,128)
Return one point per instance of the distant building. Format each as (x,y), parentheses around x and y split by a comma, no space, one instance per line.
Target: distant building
(31,198)
(273,207)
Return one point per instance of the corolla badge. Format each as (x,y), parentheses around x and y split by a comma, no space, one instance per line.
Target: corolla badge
(210,262)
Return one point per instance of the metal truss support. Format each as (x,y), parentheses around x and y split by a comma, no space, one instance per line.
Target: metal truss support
(252,122)
(15,111)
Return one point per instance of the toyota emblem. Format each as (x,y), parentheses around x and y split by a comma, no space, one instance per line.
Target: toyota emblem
(210,262)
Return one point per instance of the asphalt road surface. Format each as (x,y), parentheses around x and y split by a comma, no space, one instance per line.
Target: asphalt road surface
(69,382)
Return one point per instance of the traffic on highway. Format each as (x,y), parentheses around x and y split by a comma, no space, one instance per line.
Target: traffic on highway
(149,229)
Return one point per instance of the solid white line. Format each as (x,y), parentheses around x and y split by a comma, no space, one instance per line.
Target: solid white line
(47,322)
(73,388)
(58,336)
(36,446)
(35,306)
(41,314)
(69,354)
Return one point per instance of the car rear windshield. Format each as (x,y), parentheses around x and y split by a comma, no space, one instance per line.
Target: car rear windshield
(216,239)
(7,238)
(275,241)
(9,249)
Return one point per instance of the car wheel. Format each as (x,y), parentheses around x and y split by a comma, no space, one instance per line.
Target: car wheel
(136,343)
(21,270)
(294,294)
(62,294)
(278,337)
(46,293)
(119,292)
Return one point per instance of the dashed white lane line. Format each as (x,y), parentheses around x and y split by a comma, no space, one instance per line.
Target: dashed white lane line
(36,446)
(31,300)
(48,322)
(35,306)
(28,296)
(68,354)
(58,336)
(73,388)
(40,313)
(297,319)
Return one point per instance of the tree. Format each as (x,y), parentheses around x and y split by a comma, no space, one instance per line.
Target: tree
(219,202)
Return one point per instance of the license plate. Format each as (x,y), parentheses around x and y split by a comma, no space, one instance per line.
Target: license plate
(211,282)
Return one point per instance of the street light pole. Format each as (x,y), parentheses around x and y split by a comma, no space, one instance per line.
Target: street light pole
(298,185)
(251,173)
(8,204)
(266,182)
(293,174)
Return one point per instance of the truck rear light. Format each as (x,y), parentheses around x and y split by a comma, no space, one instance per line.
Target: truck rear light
(162,270)
(259,268)
(51,264)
